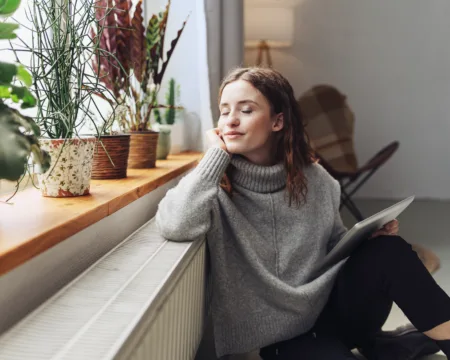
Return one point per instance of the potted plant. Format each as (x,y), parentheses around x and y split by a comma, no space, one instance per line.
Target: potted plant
(136,82)
(111,151)
(18,133)
(64,83)
(169,125)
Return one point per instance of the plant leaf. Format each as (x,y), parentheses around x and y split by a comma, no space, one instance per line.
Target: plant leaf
(18,94)
(8,7)
(7,31)
(28,124)
(138,42)
(24,76)
(17,144)
(106,34)
(123,38)
(100,62)
(173,44)
(22,93)
(153,46)
(14,149)
(162,29)
(7,72)
(95,60)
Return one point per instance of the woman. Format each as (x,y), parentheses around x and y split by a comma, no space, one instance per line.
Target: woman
(270,213)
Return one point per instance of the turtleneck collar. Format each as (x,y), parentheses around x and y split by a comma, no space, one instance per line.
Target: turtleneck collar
(257,178)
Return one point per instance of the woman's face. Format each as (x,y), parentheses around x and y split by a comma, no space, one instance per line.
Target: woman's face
(246,123)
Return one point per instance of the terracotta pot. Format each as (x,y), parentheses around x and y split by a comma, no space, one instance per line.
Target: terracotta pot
(71,165)
(143,149)
(112,163)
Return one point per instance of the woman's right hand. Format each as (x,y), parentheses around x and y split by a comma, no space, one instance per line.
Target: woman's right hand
(214,139)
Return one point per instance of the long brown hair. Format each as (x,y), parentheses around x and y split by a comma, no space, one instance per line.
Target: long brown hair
(293,148)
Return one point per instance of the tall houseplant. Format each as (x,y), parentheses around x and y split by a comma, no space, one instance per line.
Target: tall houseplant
(136,82)
(18,133)
(112,150)
(64,83)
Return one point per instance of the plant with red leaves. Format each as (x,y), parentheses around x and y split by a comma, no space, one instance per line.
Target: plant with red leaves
(130,59)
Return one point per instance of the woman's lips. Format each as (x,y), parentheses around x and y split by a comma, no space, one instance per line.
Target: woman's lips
(233,135)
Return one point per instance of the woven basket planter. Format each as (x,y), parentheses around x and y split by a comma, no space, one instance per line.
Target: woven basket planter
(111,157)
(143,149)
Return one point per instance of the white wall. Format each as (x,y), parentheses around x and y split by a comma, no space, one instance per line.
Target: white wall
(392,59)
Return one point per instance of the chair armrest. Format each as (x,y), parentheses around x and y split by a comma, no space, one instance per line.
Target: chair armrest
(380,158)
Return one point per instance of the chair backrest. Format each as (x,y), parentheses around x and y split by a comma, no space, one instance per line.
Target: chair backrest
(329,122)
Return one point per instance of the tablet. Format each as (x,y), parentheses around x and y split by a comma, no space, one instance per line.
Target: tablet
(359,232)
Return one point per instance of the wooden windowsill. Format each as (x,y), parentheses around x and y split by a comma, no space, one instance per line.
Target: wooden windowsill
(33,223)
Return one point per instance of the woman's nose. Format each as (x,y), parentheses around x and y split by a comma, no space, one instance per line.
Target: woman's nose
(233,119)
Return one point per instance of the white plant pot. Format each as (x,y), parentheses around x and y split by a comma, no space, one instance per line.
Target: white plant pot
(178,135)
(164,142)
(70,169)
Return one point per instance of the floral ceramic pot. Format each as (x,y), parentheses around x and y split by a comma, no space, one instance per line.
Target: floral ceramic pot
(70,169)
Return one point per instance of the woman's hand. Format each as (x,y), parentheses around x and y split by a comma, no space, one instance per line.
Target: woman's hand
(391,228)
(214,139)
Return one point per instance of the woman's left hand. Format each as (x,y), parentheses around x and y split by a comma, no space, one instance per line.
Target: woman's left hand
(391,228)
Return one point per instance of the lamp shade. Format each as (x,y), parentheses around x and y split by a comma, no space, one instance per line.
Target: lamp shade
(273,23)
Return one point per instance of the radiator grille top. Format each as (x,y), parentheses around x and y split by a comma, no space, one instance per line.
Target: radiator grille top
(90,316)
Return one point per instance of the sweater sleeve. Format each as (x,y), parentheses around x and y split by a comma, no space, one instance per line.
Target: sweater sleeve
(339,229)
(185,212)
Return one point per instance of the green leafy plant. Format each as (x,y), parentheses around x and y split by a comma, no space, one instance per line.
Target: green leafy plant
(141,60)
(18,133)
(64,80)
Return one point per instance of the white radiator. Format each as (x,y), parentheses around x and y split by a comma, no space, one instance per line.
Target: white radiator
(176,328)
(144,300)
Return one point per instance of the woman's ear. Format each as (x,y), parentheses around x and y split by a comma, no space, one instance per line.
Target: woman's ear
(278,124)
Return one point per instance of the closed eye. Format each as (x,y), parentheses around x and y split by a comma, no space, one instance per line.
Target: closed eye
(247,111)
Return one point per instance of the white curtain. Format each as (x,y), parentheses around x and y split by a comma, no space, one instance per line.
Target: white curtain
(225,42)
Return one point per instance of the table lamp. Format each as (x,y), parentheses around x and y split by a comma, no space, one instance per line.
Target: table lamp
(268,24)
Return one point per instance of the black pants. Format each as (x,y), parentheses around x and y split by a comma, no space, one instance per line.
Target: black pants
(381,271)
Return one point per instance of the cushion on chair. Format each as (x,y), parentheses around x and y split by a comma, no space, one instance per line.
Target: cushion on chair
(329,124)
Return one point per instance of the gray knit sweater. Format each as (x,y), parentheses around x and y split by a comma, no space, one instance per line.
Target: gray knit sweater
(262,251)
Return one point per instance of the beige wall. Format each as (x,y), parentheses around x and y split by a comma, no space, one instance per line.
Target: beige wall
(392,59)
